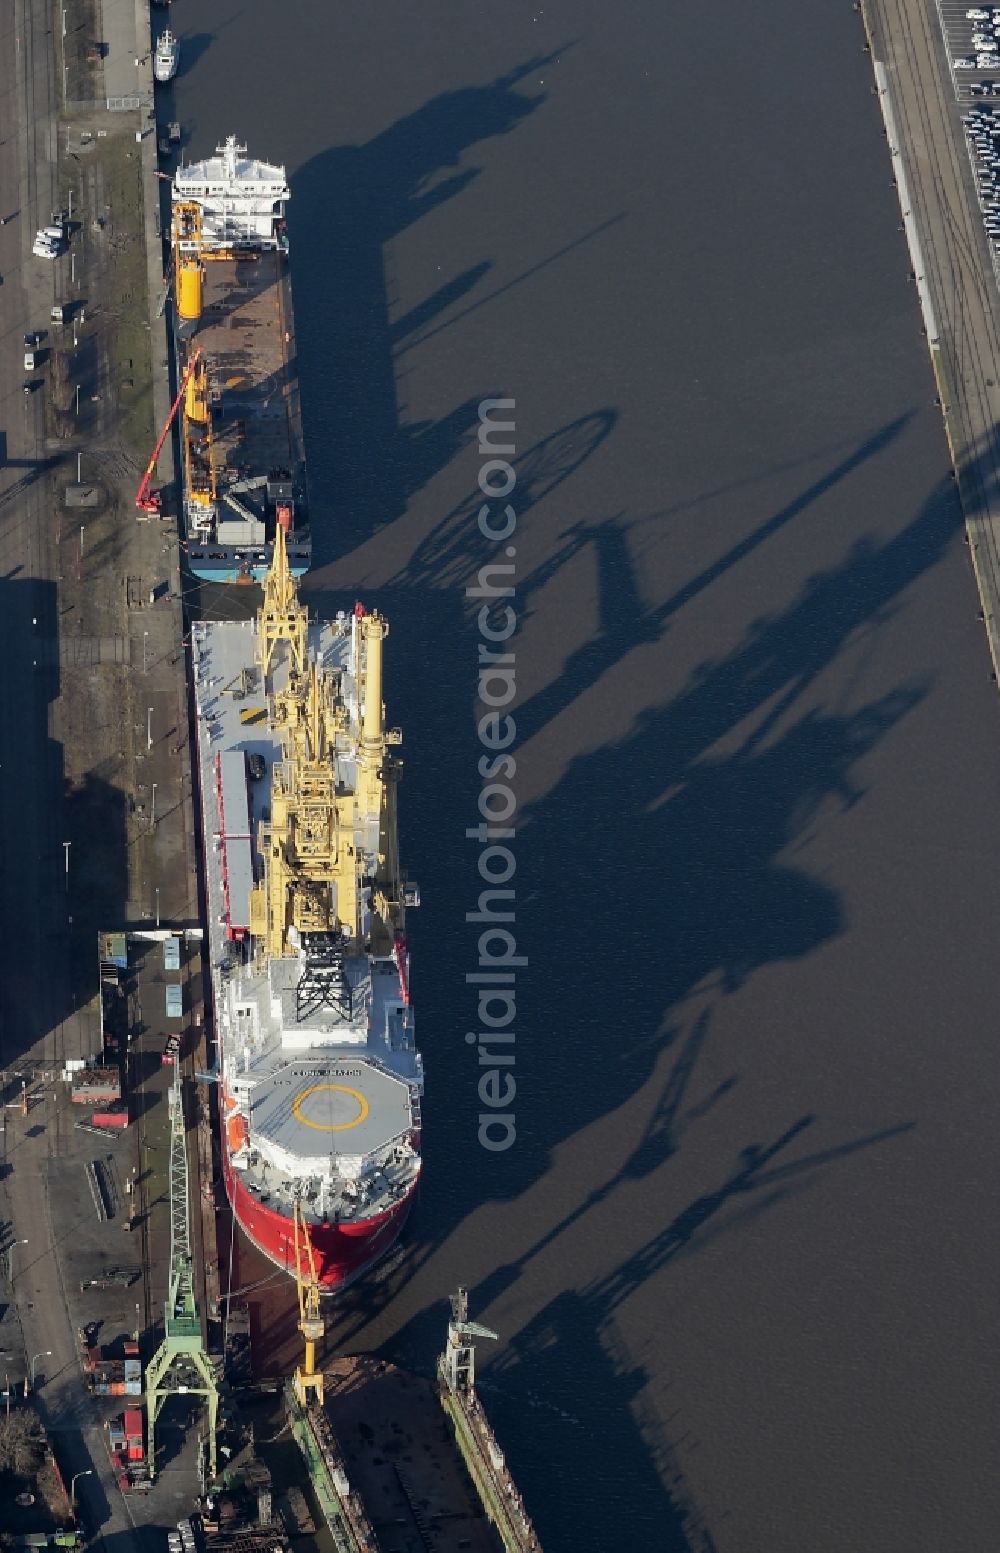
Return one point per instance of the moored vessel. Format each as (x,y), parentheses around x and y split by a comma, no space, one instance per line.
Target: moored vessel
(166,56)
(244,473)
(320,1081)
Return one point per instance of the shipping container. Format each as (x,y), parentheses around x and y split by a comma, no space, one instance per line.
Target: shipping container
(174,1001)
(171,954)
(133,1423)
(109,1119)
(135,1451)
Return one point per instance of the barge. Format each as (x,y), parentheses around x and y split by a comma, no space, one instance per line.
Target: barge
(244,468)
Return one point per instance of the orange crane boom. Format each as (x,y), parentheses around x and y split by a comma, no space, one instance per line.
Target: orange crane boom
(145,500)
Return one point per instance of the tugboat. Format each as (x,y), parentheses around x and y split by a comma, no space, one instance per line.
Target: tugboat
(167,56)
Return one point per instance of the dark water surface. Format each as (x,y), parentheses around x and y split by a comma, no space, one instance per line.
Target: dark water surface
(743,1253)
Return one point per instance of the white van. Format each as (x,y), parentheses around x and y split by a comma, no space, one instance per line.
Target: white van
(29,361)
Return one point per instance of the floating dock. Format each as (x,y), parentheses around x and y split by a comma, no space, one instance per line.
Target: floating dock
(383,1463)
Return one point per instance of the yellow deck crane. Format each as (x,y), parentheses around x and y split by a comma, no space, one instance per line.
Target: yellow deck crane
(308,1381)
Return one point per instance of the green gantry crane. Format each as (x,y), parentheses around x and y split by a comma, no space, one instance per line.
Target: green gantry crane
(180,1364)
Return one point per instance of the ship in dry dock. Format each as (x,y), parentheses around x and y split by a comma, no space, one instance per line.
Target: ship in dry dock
(320,1079)
(244,470)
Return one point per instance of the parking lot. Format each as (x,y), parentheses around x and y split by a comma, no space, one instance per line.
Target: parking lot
(972,44)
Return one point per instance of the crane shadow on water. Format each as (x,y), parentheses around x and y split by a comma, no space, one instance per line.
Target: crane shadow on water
(352,202)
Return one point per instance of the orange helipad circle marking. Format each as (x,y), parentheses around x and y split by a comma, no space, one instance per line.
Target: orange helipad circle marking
(339,1089)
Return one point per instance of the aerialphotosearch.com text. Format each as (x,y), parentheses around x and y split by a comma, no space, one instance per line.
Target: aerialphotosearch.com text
(495,978)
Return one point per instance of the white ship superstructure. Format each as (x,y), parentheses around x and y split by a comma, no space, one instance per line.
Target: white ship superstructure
(241,201)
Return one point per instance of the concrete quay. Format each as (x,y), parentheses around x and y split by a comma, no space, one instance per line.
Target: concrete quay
(952,266)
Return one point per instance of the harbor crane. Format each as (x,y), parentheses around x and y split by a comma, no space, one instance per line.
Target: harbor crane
(460,1354)
(308,1382)
(145,499)
(180,1363)
(473,1434)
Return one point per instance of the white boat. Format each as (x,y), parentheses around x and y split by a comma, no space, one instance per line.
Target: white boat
(167,56)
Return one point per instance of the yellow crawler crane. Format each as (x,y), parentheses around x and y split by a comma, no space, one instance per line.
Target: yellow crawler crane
(199,464)
(308,1382)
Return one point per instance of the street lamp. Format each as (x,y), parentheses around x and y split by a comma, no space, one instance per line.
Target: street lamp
(10,1248)
(46,1353)
(87,1473)
(152,811)
(149,728)
(145,640)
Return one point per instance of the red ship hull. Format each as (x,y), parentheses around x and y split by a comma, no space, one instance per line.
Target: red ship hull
(343,1251)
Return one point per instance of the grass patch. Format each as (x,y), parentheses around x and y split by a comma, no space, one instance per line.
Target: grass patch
(106,349)
(126,303)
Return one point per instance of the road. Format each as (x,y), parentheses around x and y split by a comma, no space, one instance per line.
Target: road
(80,765)
(36,929)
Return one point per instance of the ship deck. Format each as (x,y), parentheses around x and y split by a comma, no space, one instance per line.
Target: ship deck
(339,1093)
(242,333)
(232,710)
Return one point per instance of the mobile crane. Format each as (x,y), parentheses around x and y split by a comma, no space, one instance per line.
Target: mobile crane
(308,1382)
(151,501)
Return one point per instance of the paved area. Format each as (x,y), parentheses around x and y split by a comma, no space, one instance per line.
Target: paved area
(96,811)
